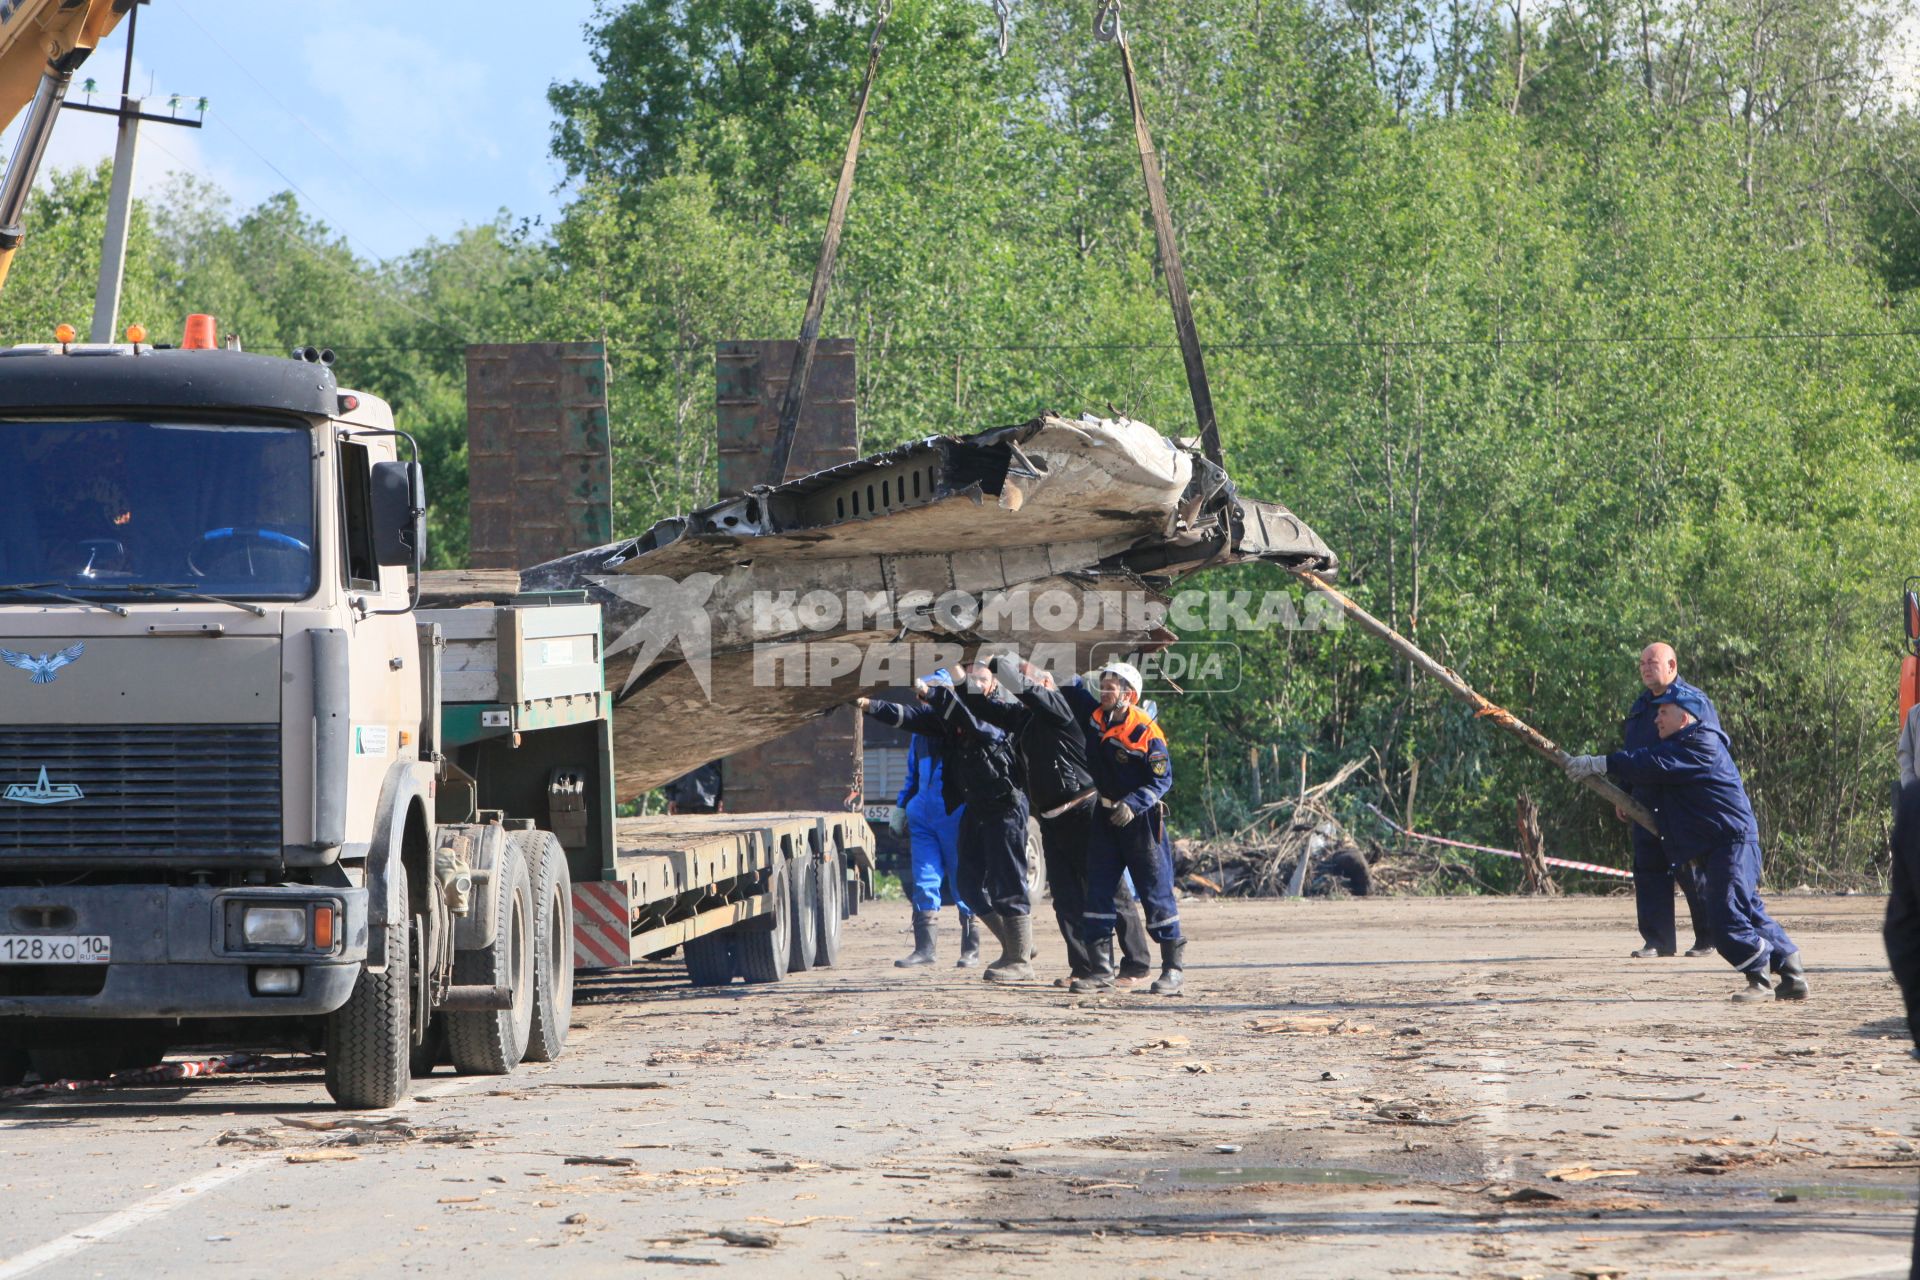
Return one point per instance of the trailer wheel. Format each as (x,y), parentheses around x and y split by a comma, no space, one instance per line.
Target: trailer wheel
(491,1042)
(763,946)
(552,944)
(826,919)
(709,960)
(370,1037)
(805,873)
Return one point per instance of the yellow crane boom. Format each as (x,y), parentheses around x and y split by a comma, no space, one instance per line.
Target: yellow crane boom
(42,43)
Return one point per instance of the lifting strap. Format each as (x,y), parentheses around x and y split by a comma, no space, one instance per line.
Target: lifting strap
(802,372)
(1107,27)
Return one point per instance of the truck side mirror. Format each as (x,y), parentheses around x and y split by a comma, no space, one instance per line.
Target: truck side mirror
(394,519)
(417,513)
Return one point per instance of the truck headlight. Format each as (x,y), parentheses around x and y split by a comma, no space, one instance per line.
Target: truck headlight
(274,926)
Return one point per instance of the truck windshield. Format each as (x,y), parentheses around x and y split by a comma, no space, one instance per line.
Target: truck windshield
(105,508)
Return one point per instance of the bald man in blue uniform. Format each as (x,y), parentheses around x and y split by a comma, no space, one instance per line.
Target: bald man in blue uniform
(1704,814)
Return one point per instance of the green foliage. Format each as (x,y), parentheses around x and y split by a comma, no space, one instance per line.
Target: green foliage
(1519,306)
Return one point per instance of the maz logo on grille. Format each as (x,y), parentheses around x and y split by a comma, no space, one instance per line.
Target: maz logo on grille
(41,792)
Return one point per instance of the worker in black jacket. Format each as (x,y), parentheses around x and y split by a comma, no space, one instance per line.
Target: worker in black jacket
(982,772)
(1060,790)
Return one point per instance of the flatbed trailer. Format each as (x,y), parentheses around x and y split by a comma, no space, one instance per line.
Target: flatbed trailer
(524,715)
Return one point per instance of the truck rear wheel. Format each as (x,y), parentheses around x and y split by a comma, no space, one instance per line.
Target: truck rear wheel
(829,911)
(552,943)
(709,960)
(370,1037)
(491,1042)
(763,946)
(805,873)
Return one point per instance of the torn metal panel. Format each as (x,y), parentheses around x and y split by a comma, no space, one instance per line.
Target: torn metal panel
(730,625)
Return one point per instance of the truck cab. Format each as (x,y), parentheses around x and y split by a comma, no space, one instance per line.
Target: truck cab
(215,770)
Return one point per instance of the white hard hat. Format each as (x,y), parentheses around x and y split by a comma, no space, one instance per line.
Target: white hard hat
(1126,673)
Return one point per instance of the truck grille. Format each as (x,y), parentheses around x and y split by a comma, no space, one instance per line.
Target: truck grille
(148,793)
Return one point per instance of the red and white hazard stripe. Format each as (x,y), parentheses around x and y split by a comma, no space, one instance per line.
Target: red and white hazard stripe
(602,925)
(1593,867)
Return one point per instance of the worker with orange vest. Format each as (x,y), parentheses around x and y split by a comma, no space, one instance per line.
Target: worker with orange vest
(1133,771)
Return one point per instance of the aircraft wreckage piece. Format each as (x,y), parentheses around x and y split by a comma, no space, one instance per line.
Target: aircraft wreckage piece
(733,624)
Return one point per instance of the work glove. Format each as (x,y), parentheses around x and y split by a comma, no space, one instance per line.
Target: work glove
(920,689)
(1586,767)
(1119,815)
(897,820)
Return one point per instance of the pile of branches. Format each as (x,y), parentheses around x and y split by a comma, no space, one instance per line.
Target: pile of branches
(1264,858)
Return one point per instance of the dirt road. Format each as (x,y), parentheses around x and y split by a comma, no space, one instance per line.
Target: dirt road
(1410,1087)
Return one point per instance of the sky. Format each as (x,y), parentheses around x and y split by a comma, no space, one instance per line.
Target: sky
(392,123)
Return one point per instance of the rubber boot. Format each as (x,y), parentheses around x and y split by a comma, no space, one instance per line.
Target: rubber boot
(1758,989)
(1016,955)
(926,927)
(1099,974)
(969,943)
(1173,958)
(1793,980)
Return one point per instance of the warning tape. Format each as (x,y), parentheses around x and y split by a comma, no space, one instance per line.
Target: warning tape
(1593,867)
(165,1073)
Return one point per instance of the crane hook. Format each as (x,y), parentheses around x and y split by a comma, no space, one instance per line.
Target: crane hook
(1106,22)
(1002,12)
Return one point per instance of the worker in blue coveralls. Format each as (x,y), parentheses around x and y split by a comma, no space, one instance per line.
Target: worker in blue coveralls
(1653,877)
(1704,814)
(1127,754)
(933,835)
(980,768)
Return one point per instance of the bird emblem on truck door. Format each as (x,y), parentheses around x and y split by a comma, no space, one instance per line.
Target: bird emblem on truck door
(43,669)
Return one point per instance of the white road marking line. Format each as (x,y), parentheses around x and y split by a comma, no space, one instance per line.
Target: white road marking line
(165,1202)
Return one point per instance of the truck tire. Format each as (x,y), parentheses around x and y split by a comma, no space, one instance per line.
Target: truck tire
(802,934)
(431,1053)
(1036,863)
(370,1037)
(762,945)
(491,1042)
(1346,867)
(826,920)
(709,960)
(552,944)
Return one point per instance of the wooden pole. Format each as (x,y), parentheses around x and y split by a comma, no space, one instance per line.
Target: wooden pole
(1535,741)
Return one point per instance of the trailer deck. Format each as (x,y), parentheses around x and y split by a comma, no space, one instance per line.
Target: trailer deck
(678,878)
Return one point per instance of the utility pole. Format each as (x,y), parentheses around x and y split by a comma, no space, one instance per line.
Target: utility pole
(113,246)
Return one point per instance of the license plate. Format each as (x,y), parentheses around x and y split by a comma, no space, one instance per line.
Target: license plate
(879,812)
(41,948)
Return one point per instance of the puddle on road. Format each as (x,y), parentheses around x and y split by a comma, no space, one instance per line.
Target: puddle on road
(1856,1192)
(1283,1173)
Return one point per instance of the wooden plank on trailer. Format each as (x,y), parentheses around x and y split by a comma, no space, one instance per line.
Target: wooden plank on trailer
(679,932)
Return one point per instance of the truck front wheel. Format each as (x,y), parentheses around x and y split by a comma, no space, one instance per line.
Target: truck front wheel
(492,1042)
(370,1037)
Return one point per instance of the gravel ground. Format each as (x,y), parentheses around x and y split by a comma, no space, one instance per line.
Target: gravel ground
(1407,1087)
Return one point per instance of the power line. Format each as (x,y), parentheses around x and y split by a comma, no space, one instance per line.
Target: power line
(298,119)
(1276,344)
(393,293)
